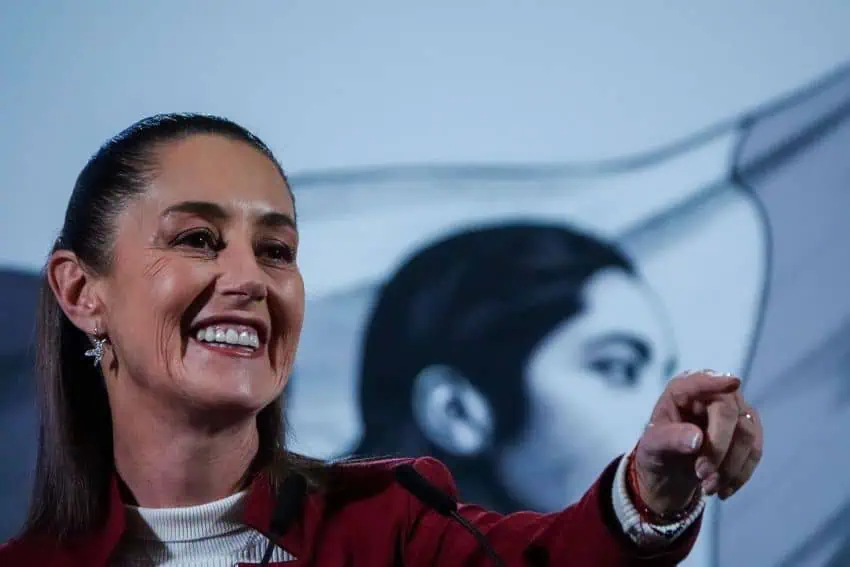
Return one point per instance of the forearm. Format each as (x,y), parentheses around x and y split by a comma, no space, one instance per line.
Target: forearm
(586,533)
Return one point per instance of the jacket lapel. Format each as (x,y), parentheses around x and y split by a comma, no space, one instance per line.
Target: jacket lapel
(94,549)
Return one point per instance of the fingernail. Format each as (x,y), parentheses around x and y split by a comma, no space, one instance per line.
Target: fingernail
(696,440)
(716,374)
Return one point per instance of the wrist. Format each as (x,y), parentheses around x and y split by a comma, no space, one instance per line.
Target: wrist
(675,504)
(651,533)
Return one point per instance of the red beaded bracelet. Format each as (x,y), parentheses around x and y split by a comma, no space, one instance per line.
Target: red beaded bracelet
(647,514)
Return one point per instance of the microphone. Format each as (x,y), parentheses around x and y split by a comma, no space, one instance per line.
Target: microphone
(443,504)
(289,503)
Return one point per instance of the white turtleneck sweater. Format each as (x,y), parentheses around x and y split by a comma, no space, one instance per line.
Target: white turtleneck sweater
(210,535)
(213,535)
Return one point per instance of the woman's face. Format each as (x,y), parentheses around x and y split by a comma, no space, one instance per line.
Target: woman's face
(204,301)
(592,383)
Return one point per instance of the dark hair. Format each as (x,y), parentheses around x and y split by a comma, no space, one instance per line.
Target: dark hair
(477,302)
(75,461)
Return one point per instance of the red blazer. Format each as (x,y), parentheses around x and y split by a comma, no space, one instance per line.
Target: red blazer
(365,519)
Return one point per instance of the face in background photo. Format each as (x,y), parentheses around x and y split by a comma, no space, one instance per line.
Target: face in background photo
(494,344)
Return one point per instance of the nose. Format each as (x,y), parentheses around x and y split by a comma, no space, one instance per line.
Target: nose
(242,277)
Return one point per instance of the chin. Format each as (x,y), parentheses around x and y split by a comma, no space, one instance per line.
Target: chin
(232,378)
(233,399)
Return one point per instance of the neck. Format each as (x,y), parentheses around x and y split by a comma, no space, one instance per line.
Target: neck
(168,465)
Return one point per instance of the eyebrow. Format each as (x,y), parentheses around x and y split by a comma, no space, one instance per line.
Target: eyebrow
(214,211)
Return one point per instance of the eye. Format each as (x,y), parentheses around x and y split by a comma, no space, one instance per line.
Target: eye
(201,239)
(616,370)
(276,252)
(620,360)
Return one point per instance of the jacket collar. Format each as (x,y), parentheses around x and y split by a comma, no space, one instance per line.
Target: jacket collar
(288,517)
(95,548)
(345,482)
(261,505)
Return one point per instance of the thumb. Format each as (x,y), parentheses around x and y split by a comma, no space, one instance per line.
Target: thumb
(672,438)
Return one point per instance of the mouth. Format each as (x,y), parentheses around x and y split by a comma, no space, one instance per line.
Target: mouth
(234,336)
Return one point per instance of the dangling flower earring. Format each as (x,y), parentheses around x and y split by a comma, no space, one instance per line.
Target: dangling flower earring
(99,347)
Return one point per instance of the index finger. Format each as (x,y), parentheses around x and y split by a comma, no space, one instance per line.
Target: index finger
(700,386)
(722,423)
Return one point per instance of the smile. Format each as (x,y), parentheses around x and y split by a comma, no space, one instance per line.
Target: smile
(229,335)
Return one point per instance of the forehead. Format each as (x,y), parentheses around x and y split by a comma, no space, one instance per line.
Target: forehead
(221,170)
(616,300)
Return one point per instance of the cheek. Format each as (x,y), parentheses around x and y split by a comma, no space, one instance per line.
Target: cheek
(581,416)
(289,307)
(154,303)
(564,409)
(172,293)
(286,310)
(618,414)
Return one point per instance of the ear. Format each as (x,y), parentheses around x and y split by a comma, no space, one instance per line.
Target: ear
(75,291)
(452,413)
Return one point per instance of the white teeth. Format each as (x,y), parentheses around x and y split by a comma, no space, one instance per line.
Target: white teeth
(246,338)
(228,335)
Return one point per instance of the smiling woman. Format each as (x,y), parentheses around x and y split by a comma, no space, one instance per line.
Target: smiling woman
(178,227)
(175,271)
